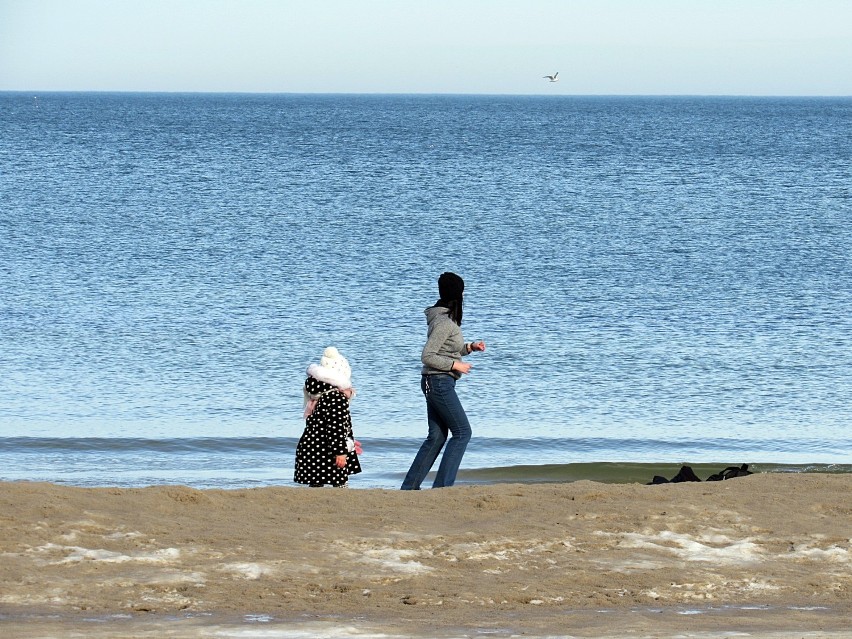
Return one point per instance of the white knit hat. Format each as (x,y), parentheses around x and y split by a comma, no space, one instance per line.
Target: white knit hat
(332,369)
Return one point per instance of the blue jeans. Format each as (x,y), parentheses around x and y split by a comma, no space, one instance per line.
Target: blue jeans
(445,414)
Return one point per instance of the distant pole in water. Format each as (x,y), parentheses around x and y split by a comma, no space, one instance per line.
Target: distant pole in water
(35,101)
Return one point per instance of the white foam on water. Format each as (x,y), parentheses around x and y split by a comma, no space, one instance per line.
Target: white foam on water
(309,631)
(395,560)
(78,554)
(170,577)
(248,570)
(716,548)
(760,586)
(834,554)
(125,535)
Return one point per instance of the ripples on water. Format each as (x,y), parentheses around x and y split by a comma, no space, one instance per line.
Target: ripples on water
(643,269)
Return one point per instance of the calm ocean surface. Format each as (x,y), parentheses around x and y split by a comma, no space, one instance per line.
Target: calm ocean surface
(659,281)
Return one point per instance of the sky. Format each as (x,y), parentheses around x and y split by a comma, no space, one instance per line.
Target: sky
(599,47)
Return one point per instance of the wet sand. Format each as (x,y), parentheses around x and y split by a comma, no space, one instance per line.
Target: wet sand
(768,555)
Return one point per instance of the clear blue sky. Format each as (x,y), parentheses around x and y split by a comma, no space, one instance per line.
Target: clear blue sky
(732,47)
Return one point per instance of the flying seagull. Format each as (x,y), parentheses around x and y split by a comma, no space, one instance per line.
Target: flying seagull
(552,78)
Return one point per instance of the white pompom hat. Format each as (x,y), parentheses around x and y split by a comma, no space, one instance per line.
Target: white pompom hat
(332,369)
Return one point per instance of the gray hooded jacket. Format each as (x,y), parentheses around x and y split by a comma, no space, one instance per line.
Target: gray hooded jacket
(444,343)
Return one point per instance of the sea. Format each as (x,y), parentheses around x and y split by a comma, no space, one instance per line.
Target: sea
(660,281)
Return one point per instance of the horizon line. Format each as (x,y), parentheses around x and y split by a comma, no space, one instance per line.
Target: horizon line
(424,94)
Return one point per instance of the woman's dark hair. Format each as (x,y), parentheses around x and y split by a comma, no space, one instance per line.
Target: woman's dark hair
(454,308)
(451,289)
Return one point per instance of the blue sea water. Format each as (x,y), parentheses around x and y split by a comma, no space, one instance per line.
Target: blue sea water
(659,280)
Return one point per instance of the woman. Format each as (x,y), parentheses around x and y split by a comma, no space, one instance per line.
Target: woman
(327,452)
(442,366)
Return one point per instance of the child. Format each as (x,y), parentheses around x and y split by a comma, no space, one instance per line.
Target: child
(327,450)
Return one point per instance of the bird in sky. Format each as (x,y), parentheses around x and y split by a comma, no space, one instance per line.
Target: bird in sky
(553,78)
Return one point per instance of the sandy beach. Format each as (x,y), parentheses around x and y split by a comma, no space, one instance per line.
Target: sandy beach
(768,555)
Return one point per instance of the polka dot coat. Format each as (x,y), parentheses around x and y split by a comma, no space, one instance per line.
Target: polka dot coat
(326,432)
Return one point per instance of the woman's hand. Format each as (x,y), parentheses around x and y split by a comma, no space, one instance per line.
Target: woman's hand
(477,346)
(340,461)
(461,367)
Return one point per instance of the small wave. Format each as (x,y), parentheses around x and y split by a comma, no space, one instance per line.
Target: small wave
(621,473)
(599,447)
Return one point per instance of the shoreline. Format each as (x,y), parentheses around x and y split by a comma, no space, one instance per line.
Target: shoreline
(765,554)
(229,474)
